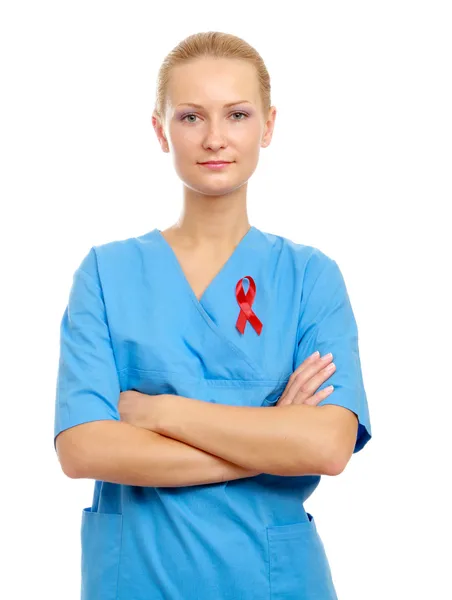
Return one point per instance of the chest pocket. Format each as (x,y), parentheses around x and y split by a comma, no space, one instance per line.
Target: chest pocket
(219,391)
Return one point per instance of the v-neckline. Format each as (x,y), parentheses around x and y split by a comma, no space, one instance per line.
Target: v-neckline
(238,247)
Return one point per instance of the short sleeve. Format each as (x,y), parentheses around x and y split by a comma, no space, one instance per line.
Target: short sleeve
(327,324)
(87,387)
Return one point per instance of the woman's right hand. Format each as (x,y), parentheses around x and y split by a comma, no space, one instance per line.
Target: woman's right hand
(305,381)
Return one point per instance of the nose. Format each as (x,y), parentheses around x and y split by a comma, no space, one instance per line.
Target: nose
(215,136)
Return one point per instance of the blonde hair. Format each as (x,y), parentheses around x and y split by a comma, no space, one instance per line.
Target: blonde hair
(214,44)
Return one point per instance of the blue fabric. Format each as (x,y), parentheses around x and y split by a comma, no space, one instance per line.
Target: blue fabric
(133,322)
(327,324)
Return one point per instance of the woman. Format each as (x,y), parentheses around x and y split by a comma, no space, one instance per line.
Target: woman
(188,384)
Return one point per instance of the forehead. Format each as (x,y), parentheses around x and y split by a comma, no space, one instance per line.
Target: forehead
(212,82)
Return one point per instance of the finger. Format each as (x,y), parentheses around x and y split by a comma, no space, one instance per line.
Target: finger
(308,381)
(310,387)
(300,398)
(319,396)
(315,367)
(283,401)
(307,369)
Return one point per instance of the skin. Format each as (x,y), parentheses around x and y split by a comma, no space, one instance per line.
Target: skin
(214,215)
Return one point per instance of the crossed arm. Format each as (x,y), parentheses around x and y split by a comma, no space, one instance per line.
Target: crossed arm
(184,441)
(280,440)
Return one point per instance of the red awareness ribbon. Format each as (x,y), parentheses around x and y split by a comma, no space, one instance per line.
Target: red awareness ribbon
(245,302)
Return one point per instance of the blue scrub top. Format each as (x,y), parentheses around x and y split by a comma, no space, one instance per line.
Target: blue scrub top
(133,322)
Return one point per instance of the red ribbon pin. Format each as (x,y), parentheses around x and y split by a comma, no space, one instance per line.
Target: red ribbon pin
(245,301)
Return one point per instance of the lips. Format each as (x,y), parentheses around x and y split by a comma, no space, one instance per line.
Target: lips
(215,162)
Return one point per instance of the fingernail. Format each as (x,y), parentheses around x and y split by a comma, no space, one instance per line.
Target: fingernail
(317,353)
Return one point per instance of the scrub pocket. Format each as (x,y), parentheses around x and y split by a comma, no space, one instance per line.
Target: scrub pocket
(299,567)
(101,535)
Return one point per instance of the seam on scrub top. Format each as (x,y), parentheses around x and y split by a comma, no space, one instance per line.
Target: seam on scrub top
(120,557)
(98,282)
(325,266)
(65,404)
(220,382)
(269,563)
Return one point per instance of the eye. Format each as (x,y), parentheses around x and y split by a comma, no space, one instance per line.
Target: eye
(234,113)
(239,113)
(189,115)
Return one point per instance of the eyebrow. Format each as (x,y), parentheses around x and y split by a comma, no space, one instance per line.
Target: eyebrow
(225,106)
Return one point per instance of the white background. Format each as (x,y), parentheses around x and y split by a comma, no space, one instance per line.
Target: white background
(359,166)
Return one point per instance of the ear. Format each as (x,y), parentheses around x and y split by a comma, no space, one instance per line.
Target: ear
(160,132)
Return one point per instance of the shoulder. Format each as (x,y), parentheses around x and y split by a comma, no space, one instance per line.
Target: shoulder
(114,256)
(310,261)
